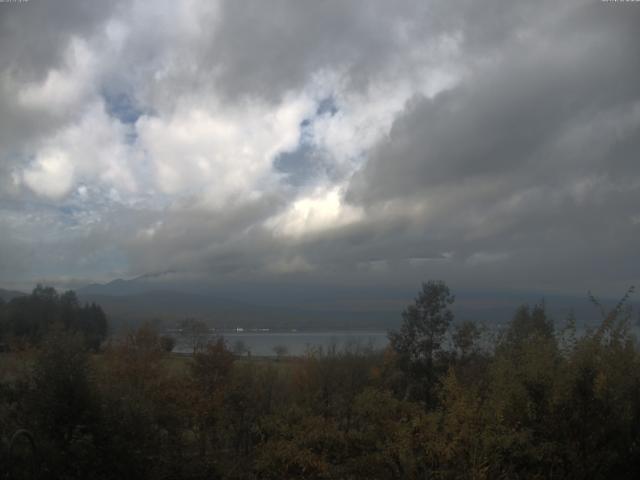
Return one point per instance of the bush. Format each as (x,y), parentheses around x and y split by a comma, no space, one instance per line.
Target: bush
(167,344)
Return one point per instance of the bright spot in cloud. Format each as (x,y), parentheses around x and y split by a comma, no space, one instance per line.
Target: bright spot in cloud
(322,210)
(51,175)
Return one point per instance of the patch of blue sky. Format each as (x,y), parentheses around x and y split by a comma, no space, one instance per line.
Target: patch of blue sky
(327,106)
(69,214)
(122,106)
(305,163)
(297,165)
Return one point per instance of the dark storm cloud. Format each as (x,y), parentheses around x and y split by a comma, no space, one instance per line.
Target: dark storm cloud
(192,238)
(267,50)
(534,155)
(33,34)
(510,115)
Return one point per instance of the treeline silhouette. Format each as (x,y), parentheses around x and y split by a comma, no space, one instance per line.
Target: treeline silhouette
(440,402)
(30,318)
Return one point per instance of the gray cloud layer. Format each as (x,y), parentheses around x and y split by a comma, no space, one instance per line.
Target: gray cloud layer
(492,144)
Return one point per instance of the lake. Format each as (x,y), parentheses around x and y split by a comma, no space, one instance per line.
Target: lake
(296,343)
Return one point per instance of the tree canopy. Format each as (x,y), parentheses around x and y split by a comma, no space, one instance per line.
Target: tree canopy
(29,318)
(538,403)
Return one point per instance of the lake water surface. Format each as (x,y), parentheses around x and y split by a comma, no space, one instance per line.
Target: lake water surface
(295,343)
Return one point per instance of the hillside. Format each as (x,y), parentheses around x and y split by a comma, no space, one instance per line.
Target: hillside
(137,300)
(7,295)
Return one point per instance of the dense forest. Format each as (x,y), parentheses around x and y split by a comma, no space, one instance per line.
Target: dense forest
(30,318)
(444,400)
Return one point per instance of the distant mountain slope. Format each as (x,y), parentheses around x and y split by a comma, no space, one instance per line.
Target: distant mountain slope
(7,295)
(171,306)
(115,287)
(146,298)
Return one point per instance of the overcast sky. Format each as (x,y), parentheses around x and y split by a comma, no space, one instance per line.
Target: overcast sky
(493,144)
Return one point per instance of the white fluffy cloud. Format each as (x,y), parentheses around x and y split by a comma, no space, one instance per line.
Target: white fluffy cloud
(220,153)
(91,150)
(51,175)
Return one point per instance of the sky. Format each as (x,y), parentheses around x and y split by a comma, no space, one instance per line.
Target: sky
(327,143)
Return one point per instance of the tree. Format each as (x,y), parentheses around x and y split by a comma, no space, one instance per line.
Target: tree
(280,351)
(424,323)
(196,332)
(31,317)
(528,324)
(62,390)
(419,340)
(239,347)
(94,325)
(465,338)
(64,407)
(2,320)
(167,343)
(211,370)
(146,338)
(212,366)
